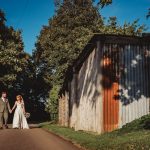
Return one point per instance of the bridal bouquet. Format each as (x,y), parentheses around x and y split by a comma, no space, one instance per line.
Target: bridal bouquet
(27,115)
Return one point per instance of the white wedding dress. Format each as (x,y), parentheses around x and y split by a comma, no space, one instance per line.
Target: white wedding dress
(19,120)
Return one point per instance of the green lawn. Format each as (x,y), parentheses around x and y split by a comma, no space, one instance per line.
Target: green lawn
(133,136)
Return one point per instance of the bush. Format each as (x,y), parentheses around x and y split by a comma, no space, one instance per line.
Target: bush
(52,102)
(138,124)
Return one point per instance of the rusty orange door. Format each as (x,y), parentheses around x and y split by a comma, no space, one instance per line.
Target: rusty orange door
(110,97)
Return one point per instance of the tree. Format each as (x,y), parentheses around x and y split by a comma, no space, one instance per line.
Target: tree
(67,33)
(132,29)
(69,30)
(52,102)
(13,60)
(62,40)
(17,70)
(103,3)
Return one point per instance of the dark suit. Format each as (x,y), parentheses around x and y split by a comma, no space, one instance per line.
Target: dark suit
(4,109)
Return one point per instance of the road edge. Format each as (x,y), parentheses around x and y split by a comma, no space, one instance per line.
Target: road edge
(65,139)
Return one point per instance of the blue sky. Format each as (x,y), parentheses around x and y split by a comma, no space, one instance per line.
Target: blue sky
(31,15)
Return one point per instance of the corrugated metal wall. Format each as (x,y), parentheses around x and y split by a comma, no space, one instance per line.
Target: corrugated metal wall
(134,83)
(64,109)
(111,87)
(85,98)
(126,84)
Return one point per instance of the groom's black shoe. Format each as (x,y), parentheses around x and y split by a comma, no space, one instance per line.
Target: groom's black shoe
(1,128)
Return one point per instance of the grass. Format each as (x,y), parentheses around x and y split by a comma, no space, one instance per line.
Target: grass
(133,136)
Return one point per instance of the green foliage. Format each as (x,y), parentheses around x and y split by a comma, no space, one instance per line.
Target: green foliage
(62,41)
(13,60)
(104,2)
(139,124)
(112,27)
(17,70)
(52,102)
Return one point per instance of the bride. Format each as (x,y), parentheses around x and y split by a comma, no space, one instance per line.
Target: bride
(19,120)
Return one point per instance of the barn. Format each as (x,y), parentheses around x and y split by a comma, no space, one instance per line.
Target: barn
(108,85)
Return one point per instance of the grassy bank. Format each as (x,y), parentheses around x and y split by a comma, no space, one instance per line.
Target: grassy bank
(135,135)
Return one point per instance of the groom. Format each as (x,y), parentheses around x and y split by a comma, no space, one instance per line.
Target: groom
(4,108)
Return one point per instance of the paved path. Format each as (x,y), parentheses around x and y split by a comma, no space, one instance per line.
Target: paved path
(32,139)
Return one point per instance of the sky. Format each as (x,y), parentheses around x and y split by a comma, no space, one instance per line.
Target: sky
(30,15)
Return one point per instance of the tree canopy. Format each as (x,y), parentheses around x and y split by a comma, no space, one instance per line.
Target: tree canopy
(13,60)
(17,69)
